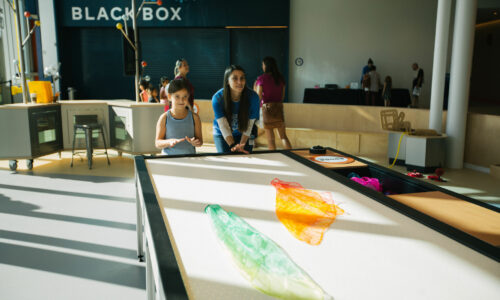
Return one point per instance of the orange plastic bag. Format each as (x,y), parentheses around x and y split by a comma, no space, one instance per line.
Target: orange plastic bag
(305,213)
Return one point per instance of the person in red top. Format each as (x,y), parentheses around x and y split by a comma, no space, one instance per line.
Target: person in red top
(143,86)
(163,90)
(181,70)
(270,87)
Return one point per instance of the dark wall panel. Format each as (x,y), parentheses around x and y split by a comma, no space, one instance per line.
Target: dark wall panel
(92,62)
(92,58)
(250,46)
(206,50)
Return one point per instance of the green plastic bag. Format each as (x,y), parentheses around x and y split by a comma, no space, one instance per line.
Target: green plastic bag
(268,268)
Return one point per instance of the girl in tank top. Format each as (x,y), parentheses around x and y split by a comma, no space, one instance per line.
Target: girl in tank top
(178,130)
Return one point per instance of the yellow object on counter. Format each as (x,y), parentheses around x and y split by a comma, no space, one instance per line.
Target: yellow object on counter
(16,90)
(42,89)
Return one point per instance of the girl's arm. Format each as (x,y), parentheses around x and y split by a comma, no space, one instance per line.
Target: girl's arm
(160,141)
(222,120)
(241,146)
(253,115)
(283,93)
(197,140)
(258,90)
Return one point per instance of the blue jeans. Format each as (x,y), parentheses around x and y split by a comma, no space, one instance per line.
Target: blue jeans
(223,147)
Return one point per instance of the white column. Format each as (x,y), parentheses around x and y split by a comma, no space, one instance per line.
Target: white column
(461,61)
(439,65)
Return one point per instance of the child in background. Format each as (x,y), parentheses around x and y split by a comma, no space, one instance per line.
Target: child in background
(153,94)
(163,90)
(386,92)
(143,86)
(178,131)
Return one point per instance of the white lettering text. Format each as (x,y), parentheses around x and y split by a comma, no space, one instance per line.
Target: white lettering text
(87,17)
(116,13)
(102,14)
(128,12)
(113,13)
(147,14)
(160,11)
(175,13)
(76,13)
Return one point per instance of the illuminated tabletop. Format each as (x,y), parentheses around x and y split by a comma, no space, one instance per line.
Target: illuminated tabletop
(370,252)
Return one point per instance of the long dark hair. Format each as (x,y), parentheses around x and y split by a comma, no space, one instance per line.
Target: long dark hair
(271,67)
(388,79)
(228,103)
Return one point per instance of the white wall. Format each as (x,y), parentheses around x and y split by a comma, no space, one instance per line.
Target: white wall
(335,38)
(48,33)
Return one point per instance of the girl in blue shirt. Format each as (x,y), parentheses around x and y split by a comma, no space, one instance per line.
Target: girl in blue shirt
(236,107)
(179,129)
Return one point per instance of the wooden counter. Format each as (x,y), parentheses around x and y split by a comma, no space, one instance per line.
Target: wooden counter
(119,102)
(476,220)
(27,105)
(132,104)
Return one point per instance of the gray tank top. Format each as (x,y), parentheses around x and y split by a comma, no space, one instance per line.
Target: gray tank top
(178,129)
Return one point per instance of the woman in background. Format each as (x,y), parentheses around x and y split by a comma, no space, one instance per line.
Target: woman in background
(270,87)
(181,70)
(374,86)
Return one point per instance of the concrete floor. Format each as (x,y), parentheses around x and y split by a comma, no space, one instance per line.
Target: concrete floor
(69,233)
(68,237)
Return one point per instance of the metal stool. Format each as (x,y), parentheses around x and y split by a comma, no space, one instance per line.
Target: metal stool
(88,129)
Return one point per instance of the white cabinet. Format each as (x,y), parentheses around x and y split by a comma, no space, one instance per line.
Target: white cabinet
(133,128)
(128,126)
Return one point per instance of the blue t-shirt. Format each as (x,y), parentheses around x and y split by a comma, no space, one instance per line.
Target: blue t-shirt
(366,69)
(178,129)
(218,106)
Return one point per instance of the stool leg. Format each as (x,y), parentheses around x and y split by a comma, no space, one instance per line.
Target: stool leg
(105,148)
(73,149)
(88,140)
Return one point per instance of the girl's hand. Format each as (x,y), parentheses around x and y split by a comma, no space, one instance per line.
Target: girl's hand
(174,142)
(239,148)
(193,141)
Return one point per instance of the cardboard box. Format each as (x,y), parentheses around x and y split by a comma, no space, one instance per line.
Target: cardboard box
(42,89)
